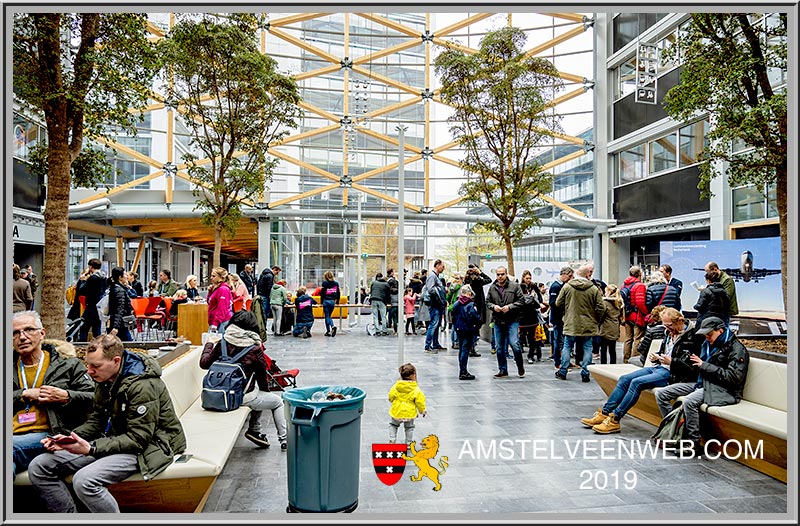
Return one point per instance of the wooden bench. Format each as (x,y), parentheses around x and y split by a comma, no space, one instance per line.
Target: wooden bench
(760,416)
(184,486)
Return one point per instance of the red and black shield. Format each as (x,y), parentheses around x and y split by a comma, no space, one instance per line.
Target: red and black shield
(389,462)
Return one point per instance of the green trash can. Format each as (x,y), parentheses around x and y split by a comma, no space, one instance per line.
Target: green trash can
(324,441)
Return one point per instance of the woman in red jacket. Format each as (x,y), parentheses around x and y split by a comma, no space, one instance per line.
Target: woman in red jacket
(220,300)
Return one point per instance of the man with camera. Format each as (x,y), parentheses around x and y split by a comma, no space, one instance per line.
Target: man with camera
(663,366)
(477,279)
(720,369)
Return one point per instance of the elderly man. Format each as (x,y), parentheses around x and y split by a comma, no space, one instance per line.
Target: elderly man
(133,428)
(722,366)
(583,308)
(51,391)
(248,277)
(505,302)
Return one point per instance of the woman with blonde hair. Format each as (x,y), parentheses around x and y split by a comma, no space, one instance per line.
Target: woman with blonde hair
(190,285)
(609,324)
(240,291)
(220,300)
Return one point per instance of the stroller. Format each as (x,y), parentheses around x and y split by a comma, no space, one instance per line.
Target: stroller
(73,329)
(280,380)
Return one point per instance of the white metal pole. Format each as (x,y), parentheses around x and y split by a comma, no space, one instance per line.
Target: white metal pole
(401,211)
(358,262)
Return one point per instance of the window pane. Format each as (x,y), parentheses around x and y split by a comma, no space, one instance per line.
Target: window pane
(631,164)
(692,142)
(772,201)
(662,154)
(748,204)
(626,78)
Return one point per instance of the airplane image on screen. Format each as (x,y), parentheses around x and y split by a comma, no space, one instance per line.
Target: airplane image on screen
(746,272)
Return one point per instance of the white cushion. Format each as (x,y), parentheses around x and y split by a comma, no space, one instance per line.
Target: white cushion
(755,416)
(210,435)
(184,379)
(612,370)
(766,384)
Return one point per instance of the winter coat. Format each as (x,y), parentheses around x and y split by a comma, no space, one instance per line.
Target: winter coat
(22,295)
(654,332)
(277,296)
(466,317)
(725,371)
(510,295)
(655,291)
(379,291)
(137,286)
(119,305)
(330,291)
(92,288)
(167,289)
(407,399)
(416,285)
(305,308)
(529,313)
(583,307)
(556,313)
(67,372)
(220,305)
(249,281)
(678,284)
(611,320)
(265,281)
(689,341)
(713,301)
(730,287)
(138,409)
(638,300)
(254,363)
(477,282)
(258,311)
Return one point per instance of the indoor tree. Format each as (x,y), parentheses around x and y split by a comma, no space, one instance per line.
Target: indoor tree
(234,102)
(502,117)
(733,70)
(84,73)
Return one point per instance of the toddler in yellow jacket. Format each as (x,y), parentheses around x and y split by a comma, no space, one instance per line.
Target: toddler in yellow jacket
(407,400)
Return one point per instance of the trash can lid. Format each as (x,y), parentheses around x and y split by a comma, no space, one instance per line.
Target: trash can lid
(302,397)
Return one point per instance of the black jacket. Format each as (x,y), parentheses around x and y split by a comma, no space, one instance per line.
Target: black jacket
(511,296)
(265,281)
(654,332)
(93,289)
(654,293)
(713,301)
(330,291)
(119,305)
(556,313)
(725,372)
(477,282)
(249,281)
(529,315)
(138,287)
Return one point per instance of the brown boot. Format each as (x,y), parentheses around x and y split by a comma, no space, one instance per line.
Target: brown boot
(597,418)
(609,425)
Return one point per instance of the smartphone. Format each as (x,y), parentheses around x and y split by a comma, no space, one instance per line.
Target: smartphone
(62,440)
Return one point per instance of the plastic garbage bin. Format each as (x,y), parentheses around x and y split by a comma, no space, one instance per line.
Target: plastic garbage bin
(324,440)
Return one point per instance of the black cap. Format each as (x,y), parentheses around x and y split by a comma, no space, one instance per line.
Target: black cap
(709,324)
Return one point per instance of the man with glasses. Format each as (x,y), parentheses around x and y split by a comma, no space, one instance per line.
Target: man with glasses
(660,369)
(52,392)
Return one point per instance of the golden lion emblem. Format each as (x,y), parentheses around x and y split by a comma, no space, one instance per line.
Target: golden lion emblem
(422,458)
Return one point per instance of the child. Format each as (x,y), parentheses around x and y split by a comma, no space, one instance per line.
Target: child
(407,400)
(409,302)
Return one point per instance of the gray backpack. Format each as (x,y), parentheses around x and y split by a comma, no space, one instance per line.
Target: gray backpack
(225,382)
(671,426)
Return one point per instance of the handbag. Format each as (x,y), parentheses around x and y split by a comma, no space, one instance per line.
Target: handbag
(539,334)
(649,318)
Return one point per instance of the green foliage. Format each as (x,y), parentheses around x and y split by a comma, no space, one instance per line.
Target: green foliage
(501,119)
(726,62)
(89,169)
(234,102)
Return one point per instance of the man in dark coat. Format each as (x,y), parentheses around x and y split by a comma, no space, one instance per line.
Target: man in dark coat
(264,288)
(248,277)
(92,285)
(477,279)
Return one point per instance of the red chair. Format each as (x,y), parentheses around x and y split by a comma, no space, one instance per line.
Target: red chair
(248,303)
(278,379)
(168,321)
(141,306)
(238,304)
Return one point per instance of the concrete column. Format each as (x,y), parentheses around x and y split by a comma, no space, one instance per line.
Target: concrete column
(263,245)
(603,172)
(720,206)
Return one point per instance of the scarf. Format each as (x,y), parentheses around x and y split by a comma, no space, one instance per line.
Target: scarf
(464,299)
(239,337)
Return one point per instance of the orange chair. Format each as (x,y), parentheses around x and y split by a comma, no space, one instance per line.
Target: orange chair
(238,304)
(140,310)
(248,303)
(168,321)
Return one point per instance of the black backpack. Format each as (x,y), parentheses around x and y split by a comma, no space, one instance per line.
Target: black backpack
(225,382)
(625,294)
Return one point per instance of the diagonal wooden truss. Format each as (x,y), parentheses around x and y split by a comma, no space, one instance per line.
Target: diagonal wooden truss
(280,29)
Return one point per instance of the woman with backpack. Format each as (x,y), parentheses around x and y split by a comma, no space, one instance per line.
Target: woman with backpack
(242,333)
(119,304)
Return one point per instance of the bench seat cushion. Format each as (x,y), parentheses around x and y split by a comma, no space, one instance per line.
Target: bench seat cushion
(612,370)
(765,419)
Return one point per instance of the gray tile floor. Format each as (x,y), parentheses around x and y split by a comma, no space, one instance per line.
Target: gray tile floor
(537,408)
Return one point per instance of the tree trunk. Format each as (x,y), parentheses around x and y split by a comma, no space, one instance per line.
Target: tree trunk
(509,255)
(780,190)
(56,233)
(217,245)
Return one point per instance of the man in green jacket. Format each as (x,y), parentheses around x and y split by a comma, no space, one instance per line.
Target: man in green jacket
(133,428)
(727,282)
(583,309)
(52,392)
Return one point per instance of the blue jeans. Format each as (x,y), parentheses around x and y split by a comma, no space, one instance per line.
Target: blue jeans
(432,335)
(466,340)
(505,336)
(586,360)
(300,325)
(629,386)
(557,343)
(327,309)
(26,447)
(379,316)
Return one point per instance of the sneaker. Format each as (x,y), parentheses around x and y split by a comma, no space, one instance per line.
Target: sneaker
(474,354)
(327,334)
(284,445)
(431,351)
(454,346)
(530,360)
(333,332)
(521,371)
(585,379)
(440,348)
(597,418)
(501,374)
(466,376)
(560,376)
(494,351)
(608,426)
(306,333)
(259,439)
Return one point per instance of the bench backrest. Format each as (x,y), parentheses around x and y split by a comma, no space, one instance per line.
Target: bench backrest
(766,384)
(184,379)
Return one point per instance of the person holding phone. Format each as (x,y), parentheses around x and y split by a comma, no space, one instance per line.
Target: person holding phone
(51,390)
(132,428)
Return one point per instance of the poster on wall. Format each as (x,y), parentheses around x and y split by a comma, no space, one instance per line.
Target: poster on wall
(754,265)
